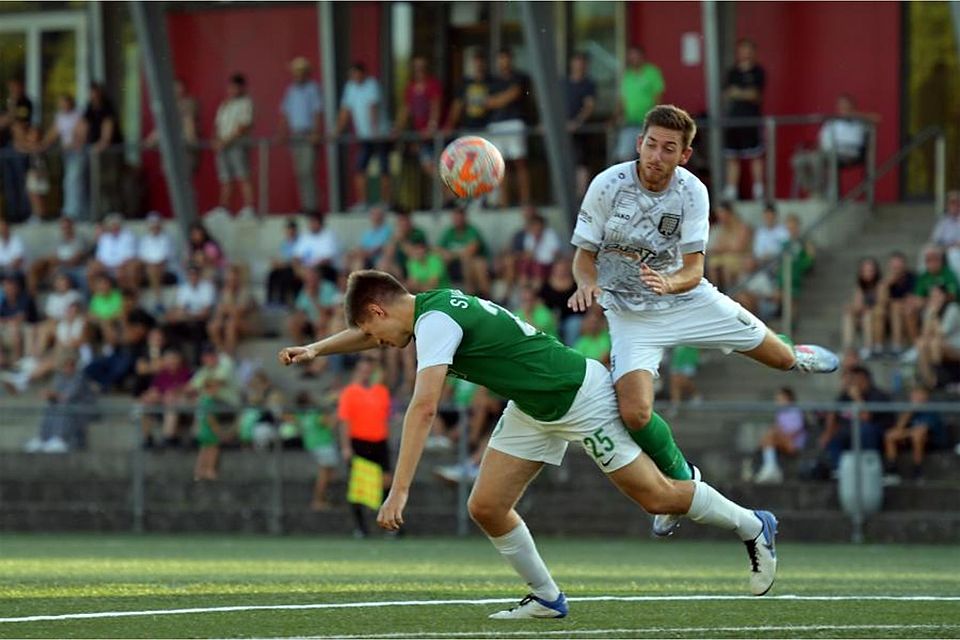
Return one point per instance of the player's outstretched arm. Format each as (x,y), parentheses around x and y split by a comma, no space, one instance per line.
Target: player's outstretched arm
(416,427)
(346,341)
(585,275)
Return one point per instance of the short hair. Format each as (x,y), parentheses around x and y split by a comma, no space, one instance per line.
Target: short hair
(788,392)
(506,51)
(367,287)
(860,370)
(581,55)
(358,66)
(673,118)
(238,79)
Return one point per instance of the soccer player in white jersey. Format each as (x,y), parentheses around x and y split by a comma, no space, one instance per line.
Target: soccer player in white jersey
(641,236)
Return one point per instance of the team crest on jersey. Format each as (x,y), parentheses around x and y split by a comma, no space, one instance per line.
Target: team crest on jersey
(669,223)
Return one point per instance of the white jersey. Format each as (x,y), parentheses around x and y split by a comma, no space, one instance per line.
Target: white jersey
(627,225)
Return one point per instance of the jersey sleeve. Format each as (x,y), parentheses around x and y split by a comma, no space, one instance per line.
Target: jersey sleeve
(695,228)
(594,212)
(438,337)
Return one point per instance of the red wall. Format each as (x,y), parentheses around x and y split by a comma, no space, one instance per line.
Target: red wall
(812,51)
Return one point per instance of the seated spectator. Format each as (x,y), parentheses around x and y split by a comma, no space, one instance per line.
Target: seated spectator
(465,252)
(150,362)
(118,367)
(396,251)
(836,437)
(555,292)
(594,340)
(11,251)
(918,428)
(54,310)
(233,317)
(787,436)
(18,317)
(212,431)
(684,363)
(541,245)
(162,399)
(282,283)
(192,310)
(313,308)
(425,269)
(220,368)
(319,440)
(71,253)
(156,257)
(317,249)
(862,311)
(203,250)
(372,242)
(730,246)
(106,310)
(69,399)
(116,254)
(534,312)
(758,291)
(769,237)
(936,274)
(939,341)
(506,266)
(946,234)
(895,288)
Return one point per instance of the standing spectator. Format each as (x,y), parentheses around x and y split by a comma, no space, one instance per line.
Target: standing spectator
(69,257)
(116,254)
(38,174)
(188,318)
(507,104)
(787,436)
(946,234)
(233,318)
(581,94)
(11,251)
(364,415)
(212,431)
(188,109)
(363,106)
(769,237)
(301,123)
(836,437)
(15,120)
(936,274)
(420,110)
(939,340)
(317,249)
(65,419)
(155,256)
(203,250)
(895,290)
(65,131)
(220,368)
(863,309)
(729,247)
(465,252)
(319,440)
(469,108)
(102,127)
(232,126)
(640,89)
(684,364)
(18,316)
(744,93)
(282,282)
(916,427)
(372,242)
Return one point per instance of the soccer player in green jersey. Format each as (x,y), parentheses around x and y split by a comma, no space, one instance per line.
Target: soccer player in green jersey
(555,396)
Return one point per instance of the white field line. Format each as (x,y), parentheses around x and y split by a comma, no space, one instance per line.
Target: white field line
(415,603)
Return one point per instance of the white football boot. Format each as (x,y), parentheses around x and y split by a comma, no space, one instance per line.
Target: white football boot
(533,607)
(763,555)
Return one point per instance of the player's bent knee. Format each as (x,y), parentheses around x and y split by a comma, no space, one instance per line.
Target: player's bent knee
(485,512)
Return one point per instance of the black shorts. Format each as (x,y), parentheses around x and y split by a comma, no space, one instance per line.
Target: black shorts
(743,142)
(378,452)
(370,149)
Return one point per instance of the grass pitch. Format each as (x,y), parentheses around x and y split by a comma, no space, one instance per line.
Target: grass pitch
(56,575)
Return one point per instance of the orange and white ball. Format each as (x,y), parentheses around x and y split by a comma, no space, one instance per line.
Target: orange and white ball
(471,166)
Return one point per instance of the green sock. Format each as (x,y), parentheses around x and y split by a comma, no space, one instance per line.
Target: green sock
(786,339)
(656,440)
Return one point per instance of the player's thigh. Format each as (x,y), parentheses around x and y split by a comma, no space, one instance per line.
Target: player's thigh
(521,436)
(636,343)
(501,481)
(716,322)
(642,482)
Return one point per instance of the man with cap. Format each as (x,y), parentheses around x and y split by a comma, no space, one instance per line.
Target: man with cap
(301,123)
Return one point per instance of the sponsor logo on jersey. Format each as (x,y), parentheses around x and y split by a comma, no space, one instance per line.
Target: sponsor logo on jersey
(669,223)
(642,254)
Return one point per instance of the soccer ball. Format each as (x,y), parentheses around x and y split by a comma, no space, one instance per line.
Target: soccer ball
(471,166)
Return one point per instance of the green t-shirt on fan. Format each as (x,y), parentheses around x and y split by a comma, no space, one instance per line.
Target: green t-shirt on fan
(639,91)
(432,266)
(593,347)
(315,431)
(454,239)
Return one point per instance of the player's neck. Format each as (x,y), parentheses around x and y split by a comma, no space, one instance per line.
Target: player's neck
(650,185)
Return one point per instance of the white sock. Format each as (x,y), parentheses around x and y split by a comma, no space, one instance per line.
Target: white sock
(518,548)
(709,506)
(769,457)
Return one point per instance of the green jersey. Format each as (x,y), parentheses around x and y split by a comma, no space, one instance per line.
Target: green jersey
(492,347)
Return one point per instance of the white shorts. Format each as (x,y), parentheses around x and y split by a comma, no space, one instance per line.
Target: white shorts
(593,420)
(714,321)
(508,136)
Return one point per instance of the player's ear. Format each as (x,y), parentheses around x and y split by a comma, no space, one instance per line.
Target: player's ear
(686,155)
(375,311)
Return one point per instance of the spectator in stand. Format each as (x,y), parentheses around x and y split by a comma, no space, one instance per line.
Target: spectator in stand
(219,368)
(420,110)
(102,133)
(317,249)
(65,131)
(915,427)
(69,258)
(895,290)
(70,335)
(69,399)
(161,400)
(397,249)
(580,92)
(594,340)
(38,174)
(802,254)
(150,362)
(203,250)
(743,91)
(54,310)
(469,109)
(787,436)
(936,274)
(426,270)
(234,316)
(301,124)
(730,246)
(863,310)
(116,254)
(684,364)
(212,431)
(372,242)
(11,251)
(939,341)
(319,440)
(232,126)
(507,105)
(465,253)
(858,387)
(541,245)
(15,120)
(313,308)
(106,311)
(119,366)
(769,237)
(18,317)
(364,424)
(156,257)
(282,282)
(362,105)
(534,312)
(192,310)
(946,234)
(189,110)
(758,291)
(640,89)
(555,291)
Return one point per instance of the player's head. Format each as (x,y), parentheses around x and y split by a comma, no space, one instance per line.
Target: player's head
(374,303)
(668,132)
